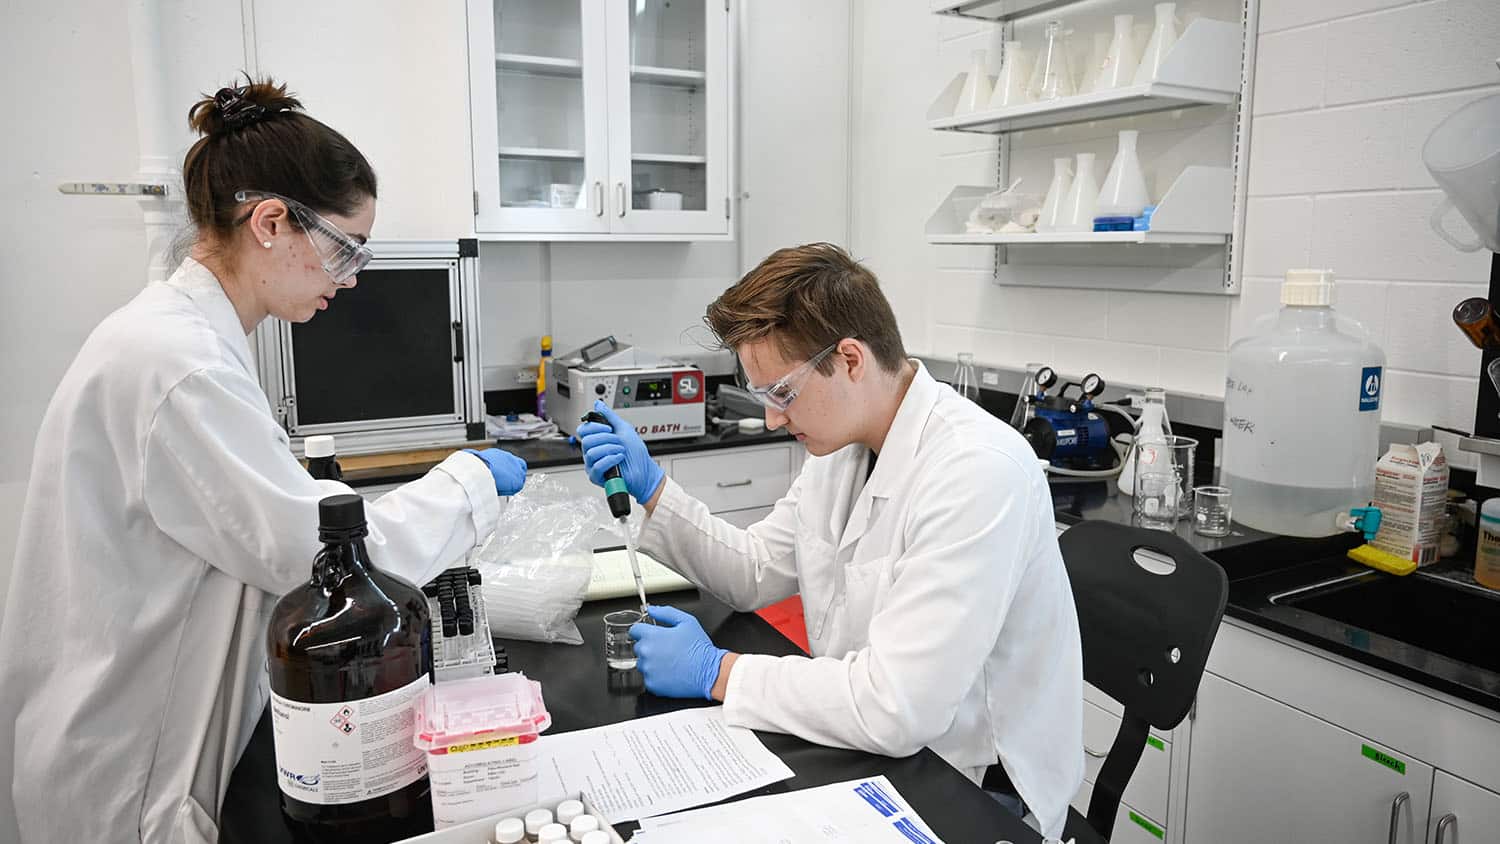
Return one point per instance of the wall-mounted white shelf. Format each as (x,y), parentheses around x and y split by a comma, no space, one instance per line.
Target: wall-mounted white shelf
(666,158)
(542,152)
(539,65)
(1196,210)
(667,76)
(998,11)
(1203,68)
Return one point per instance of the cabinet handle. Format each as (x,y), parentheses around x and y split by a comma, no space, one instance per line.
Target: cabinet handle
(620,198)
(1401,800)
(1442,828)
(728,484)
(1094,753)
(599,199)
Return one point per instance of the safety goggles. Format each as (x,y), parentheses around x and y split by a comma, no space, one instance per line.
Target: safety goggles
(779,396)
(342,256)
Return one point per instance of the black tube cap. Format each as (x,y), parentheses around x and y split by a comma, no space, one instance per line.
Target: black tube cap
(344,511)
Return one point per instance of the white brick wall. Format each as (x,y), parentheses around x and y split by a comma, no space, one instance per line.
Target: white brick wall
(1346,93)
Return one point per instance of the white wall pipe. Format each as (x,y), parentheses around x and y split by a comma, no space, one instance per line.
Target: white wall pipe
(163,216)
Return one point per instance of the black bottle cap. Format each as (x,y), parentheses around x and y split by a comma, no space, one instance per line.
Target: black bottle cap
(341,514)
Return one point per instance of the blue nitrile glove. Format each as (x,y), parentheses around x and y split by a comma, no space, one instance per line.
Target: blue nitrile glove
(675,656)
(617,444)
(508,470)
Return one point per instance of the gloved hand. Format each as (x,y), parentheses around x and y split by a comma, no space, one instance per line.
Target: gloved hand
(675,656)
(508,470)
(617,444)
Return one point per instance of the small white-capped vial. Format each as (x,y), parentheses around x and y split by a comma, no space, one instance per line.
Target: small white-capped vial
(568,810)
(581,826)
(598,836)
(535,820)
(552,832)
(510,831)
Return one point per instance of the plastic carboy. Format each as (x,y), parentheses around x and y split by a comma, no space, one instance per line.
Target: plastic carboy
(1302,413)
(349,653)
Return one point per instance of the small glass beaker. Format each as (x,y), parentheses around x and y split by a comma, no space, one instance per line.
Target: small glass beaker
(1211,511)
(619,648)
(1164,480)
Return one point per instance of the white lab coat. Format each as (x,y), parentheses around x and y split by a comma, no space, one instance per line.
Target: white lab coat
(938,610)
(165,514)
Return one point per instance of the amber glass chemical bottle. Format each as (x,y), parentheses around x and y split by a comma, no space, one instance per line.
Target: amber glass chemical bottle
(349,652)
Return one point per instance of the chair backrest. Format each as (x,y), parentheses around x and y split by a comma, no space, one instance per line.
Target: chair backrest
(1149,606)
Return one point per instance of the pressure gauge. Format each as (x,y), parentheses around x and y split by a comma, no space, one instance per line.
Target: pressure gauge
(1045,378)
(1093,385)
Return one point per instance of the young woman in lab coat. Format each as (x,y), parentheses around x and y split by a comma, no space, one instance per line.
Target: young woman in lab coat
(166,513)
(919,535)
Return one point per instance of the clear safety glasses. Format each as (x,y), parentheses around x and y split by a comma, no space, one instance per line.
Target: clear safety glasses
(779,396)
(342,256)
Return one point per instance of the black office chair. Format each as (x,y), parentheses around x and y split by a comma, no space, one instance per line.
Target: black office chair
(1146,627)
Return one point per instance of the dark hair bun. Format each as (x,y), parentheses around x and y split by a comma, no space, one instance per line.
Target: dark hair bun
(234,108)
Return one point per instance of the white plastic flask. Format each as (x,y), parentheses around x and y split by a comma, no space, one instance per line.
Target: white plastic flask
(1057,191)
(975,95)
(1117,68)
(1163,36)
(1124,191)
(1010,87)
(1302,413)
(1077,211)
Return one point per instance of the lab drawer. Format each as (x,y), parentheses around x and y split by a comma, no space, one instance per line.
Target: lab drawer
(1131,826)
(737,480)
(1113,707)
(1148,787)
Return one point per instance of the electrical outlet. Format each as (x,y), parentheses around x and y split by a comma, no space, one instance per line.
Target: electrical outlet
(526,376)
(989,378)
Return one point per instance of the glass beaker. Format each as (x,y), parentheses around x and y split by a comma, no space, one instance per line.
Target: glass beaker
(965,382)
(619,648)
(1211,511)
(1164,480)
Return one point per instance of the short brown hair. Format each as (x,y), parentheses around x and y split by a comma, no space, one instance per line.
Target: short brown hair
(806,298)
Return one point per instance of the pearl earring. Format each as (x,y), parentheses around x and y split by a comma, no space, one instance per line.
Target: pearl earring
(266,243)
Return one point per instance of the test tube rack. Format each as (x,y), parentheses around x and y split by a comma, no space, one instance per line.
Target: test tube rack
(461,643)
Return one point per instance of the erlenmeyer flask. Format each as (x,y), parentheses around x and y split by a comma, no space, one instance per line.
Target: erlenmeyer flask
(1090,81)
(1052,77)
(1076,212)
(1162,39)
(965,382)
(975,94)
(1153,425)
(1118,67)
(1062,179)
(1022,411)
(1010,88)
(1124,192)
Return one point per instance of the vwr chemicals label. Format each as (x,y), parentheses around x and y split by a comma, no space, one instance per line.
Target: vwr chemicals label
(1369,388)
(335,753)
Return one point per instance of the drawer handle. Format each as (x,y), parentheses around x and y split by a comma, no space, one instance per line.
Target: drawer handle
(730,484)
(1094,753)
(1442,827)
(1401,800)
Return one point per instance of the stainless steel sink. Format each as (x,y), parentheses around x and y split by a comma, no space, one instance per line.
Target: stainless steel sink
(1426,611)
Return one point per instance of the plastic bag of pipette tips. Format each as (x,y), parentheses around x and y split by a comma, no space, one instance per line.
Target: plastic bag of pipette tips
(536,567)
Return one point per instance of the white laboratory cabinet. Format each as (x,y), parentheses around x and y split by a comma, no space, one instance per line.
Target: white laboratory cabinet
(1263,771)
(1292,743)
(602,119)
(1462,812)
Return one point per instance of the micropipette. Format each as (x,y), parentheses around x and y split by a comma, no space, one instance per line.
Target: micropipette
(619,507)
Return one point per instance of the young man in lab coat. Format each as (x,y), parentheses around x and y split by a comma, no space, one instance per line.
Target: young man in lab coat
(919,535)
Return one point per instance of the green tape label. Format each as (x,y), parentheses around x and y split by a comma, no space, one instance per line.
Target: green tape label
(1148,826)
(614,485)
(1156,743)
(1383,758)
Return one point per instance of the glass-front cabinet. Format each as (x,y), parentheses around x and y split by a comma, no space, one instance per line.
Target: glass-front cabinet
(601,119)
